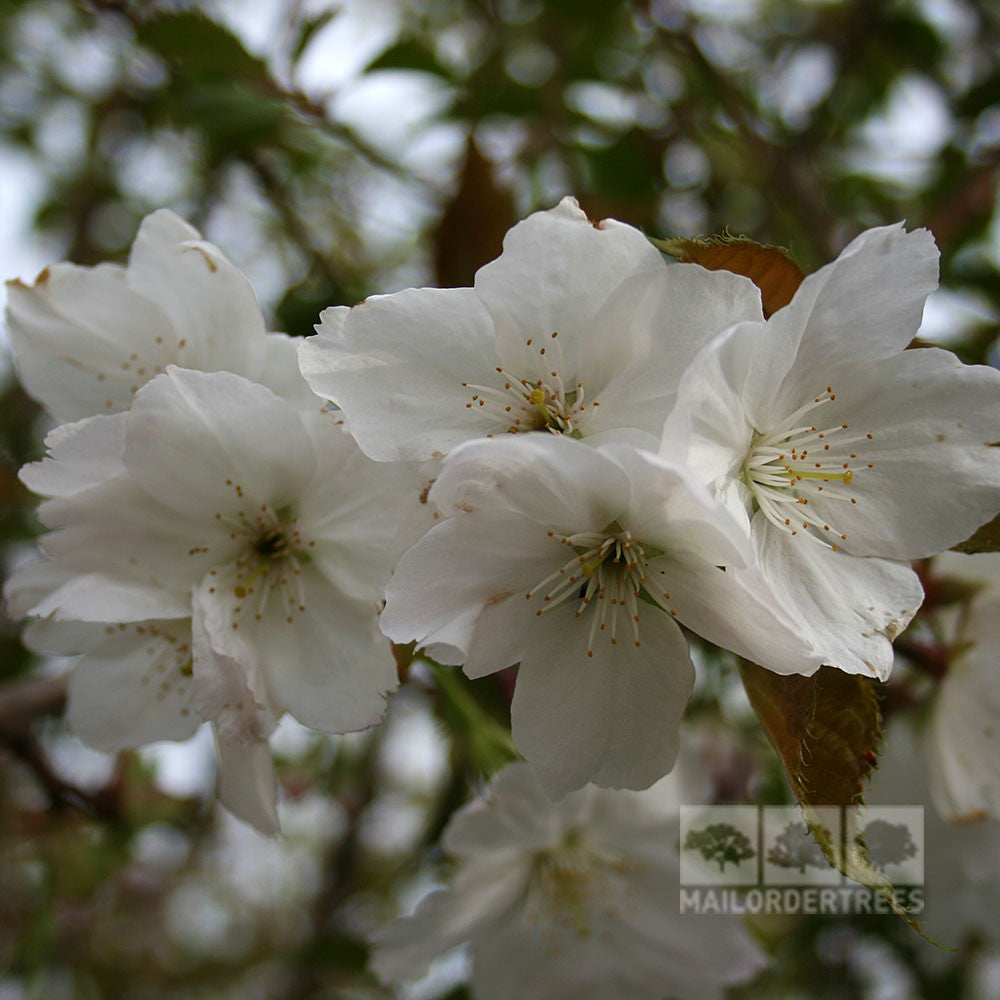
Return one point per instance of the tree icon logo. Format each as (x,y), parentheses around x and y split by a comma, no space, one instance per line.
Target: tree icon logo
(888,843)
(720,843)
(795,848)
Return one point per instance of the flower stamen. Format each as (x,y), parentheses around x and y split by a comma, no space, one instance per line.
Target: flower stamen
(541,401)
(794,458)
(606,567)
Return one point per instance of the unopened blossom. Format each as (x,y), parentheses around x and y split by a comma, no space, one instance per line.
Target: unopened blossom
(842,454)
(575,900)
(574,561)
(85,339)
(578,328)
(236,548)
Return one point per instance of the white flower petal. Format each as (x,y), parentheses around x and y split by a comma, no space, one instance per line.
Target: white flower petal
(934,477)
(134,686)
(556,271)
(83,340)
(329,666)
(963,738)
(849,608)
(516,813)
(280,372)
(866,304)
(462,567)
(247,784)
(229,685)
(733,608)
(612,718)
(708,430)
(662,320)
(396,365)
(29,583)
(481,892)
(102,597)
(669,508)
(81,455)
(621,942)
(362,514)
(554,480)
(118,532)
(210,303)
(66,638)
(202,441)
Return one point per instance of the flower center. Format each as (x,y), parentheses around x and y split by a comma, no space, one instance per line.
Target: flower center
(574,882)
(606,570)
(545,400)
(272,552)
(795,462)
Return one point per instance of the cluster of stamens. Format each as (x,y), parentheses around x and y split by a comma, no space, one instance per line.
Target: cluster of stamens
(607,570)
(794,461)
(169,664)
(546,401)
(570,881)
(134,372)
(270,563)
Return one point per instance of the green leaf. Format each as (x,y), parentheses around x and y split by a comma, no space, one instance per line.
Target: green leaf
(772,269)
(826,730)
(985,539)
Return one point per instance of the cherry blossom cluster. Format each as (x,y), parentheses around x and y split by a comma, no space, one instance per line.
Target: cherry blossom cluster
(564,467)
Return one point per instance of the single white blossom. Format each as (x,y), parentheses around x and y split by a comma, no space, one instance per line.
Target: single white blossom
(85,339)
(578,328)
(572,561)
(575,900)
(843,454)
(237,550)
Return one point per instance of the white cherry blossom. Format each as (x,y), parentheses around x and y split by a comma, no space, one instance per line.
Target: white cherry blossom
(578,328)
(843,454)
(237,549)
(85,339)
(573,561)
(575,900)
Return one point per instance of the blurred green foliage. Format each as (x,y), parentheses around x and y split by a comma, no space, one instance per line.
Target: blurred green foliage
(796,122)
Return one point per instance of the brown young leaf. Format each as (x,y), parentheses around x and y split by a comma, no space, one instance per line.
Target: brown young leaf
(772,269)
(826,730)
(473,225)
